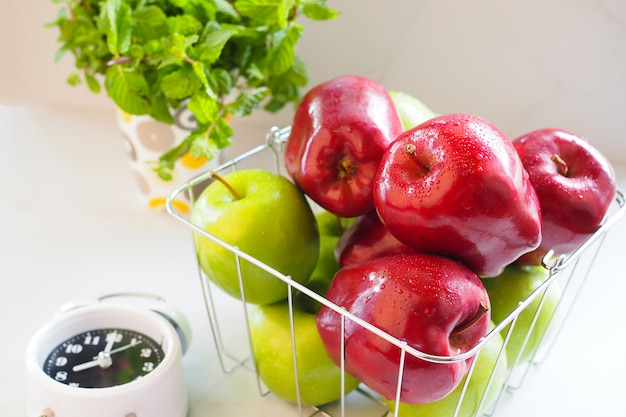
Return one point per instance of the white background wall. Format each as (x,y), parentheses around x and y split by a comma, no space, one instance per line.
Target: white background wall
(521,64)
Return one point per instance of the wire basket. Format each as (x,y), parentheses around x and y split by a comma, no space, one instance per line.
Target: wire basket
(229,321)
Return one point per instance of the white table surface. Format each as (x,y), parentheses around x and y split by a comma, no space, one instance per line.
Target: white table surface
(73,227)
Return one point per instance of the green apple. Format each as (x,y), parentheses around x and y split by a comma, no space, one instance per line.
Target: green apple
(330,227)
(318,376)
(264,215)
(510,288)
(488,362)
(411,110)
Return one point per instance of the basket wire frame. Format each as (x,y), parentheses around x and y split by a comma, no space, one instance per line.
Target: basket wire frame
(562,268)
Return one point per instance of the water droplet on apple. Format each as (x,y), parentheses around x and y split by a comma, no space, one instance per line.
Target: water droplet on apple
(429,312)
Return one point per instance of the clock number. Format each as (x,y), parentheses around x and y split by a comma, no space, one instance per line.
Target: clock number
(60,361)
(145,353)
(147,366)
(73,348)
(89,340)
(117,337)
(60,376)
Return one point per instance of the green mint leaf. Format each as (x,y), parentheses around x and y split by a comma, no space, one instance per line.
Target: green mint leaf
(204,146)
(175,47)
(136,51)
(160,109)
(60,53)
(149,22)
(200,70)
(204,107)
(265,12)
(73,79)
(285,87)
(282,53)
(129,90)
(116,23)
(254,72)
(164,170)
(298,74)
(249,101)
(179,3)
(154,47)
(211,46)
(168,159)
(318,10)
(183,25)
(222,80)
(225,7)
(222,133)
(92,83)
(205,11)
(179,84)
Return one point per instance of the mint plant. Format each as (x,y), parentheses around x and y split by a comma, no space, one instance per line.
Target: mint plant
(221,58)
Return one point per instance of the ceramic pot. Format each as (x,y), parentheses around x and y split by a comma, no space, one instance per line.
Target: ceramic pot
(146,140)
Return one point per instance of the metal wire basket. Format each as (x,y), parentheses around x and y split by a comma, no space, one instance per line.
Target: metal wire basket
(232,335)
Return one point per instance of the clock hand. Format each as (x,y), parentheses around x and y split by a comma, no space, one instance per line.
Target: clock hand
(110,342)
(104,360)
(135,342)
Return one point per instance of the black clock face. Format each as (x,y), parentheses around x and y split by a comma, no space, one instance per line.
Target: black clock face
(103,358)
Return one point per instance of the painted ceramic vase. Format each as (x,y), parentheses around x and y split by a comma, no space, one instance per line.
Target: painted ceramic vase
(146,140)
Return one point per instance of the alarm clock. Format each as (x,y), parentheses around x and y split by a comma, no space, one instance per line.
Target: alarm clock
(109,359)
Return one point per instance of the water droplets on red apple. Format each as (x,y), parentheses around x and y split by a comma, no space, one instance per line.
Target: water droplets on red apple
(430,312)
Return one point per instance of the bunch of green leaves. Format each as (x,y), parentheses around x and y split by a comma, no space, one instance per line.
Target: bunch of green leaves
(221,58)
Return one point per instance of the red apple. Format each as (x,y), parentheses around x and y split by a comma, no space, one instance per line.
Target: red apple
(455,186)
(575,184)
(367,238)
(339,133)
(434,304)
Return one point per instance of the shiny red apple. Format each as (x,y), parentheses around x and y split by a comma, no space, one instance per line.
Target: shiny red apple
(339,133)
(575,184)
(367,238)
(455,186)
(434,304)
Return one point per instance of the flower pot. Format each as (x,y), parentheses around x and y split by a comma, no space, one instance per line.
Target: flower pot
(146,140)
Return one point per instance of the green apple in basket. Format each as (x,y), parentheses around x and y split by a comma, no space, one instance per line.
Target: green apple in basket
(510,288)
(319,378)
(412,110)
(489,374)
(264,215)
(331,227)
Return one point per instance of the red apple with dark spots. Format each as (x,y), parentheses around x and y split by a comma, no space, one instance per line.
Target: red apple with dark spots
(367,238)
(455,186)
(575,184)
(339,133)
(436,305)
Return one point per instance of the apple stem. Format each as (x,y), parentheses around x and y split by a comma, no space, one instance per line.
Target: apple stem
(409,149)
(339,225)
(561,165)
(482,310)
(221,179)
